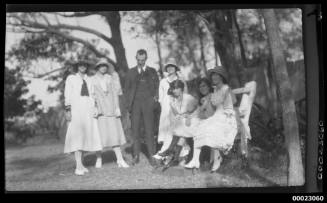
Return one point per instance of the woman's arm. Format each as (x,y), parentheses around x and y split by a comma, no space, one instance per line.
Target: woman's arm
(161,91)
(191,106)
(68,97)
(68,92)
(113,88)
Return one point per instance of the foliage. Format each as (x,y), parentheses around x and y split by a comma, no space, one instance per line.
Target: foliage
(16,87)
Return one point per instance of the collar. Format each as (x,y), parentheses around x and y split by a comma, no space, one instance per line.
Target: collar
(81,77)
(144,67)
(171,80)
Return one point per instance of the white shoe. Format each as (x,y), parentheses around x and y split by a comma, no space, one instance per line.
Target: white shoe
(79,172)
(192,164)
(157,156)
(98,163)
(182,163)
(216,164)
(122,164)
(85,170)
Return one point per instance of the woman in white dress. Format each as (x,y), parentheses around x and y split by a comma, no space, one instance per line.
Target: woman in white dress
(82,133)
(165,133)
(106,94)
(206,109)
(219,130)
(183,108)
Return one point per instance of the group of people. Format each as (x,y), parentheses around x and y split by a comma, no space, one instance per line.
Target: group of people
(93,111)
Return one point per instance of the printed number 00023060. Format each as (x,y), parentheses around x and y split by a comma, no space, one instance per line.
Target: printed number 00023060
(308,198)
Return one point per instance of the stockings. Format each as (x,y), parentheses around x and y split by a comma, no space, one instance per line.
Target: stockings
(78,159)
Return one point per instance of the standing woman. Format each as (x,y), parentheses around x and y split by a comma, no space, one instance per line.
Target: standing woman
(219,130)
(82,133)
(165,133)
(110,128)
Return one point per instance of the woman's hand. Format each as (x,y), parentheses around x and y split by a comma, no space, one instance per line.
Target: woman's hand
(117,112)
(228,113)
(173,110)
(204,101)
(188,121)
(95,112)
(68,116)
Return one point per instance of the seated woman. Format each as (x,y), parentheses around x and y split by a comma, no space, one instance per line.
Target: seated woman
(206,109)
(164,131)
(219,130)
(183,112)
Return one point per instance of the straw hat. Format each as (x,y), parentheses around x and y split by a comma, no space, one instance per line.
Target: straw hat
(102,61)
(219,70)
(171,62)
(76,64)
(82,62)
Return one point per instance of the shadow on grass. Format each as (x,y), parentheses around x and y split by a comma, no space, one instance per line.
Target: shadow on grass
(255,175)
(34,168)
(232,166)
(108,156)
(35,163)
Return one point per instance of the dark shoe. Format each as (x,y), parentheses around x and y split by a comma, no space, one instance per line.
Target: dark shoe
(171,147)
(136,160)
(170,164)
(165,153)
(175,160)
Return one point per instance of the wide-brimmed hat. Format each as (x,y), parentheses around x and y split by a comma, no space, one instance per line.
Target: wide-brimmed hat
(102,62)
(82,62)
(76,64)
(171,62)
(219,70)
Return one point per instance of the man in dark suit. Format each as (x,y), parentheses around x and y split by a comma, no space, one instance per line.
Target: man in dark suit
(141,93)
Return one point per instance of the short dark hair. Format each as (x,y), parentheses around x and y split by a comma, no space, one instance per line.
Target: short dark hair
(207,82)
(175,85)
(80,63)
(141,52)
(221,76)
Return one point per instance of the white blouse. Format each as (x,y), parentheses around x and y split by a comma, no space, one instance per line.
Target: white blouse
(73,87)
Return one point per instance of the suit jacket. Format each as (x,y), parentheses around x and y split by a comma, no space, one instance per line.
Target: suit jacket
(131,82)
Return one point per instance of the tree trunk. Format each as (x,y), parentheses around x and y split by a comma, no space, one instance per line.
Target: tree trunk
(203,60)
(222,34)
(277,109)
(291,129)
(239,34)
(216,55)
(157,39)
(113,19)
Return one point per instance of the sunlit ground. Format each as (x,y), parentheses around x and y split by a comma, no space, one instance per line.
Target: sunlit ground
(45,167)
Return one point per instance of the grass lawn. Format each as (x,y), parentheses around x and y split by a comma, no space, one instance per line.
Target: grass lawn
(45,167)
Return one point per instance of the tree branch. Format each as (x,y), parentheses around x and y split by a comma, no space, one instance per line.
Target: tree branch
(65,26)
(78,14)
(48,73)
(84,42)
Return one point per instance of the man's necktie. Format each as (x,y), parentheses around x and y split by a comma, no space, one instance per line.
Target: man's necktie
(84,91)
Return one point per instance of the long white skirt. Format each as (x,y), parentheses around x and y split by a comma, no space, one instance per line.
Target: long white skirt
(82,133)
(164,131)
(218,131)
